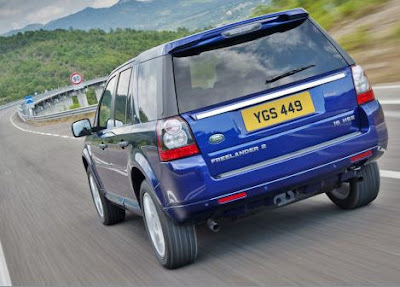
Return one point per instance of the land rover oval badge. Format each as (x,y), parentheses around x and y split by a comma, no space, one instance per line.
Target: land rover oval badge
(216,139)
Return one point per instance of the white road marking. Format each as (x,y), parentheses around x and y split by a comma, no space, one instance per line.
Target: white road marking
(5,279)
(38,133)
(386,87)
(389,102)
(390,174)
(390,114)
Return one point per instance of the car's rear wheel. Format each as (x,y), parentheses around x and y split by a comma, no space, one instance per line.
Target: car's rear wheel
(174,244)
(108,213)
(358,192)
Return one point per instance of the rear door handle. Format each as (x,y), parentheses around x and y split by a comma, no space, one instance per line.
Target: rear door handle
(123,144)
(103,146)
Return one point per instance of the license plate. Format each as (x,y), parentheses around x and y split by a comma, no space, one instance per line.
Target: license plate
(278,111)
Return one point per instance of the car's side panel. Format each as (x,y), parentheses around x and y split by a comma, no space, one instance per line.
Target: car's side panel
(142,151)
(102,158)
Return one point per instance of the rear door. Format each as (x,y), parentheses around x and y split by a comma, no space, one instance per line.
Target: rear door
(119,148)
(265,96)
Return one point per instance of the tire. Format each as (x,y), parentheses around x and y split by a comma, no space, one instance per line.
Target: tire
(358,193)
(108,213)
(174,245)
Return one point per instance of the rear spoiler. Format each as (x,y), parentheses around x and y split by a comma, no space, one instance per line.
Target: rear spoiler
(235,29)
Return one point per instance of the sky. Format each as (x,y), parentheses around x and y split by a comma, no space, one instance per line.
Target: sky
(16,14)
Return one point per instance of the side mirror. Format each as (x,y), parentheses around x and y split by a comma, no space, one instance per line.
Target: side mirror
(81,128)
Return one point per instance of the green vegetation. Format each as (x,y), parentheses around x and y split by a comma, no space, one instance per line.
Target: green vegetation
(75,103)
(326,12)
(355,40)
(396,32)
(91,96)
(36,61)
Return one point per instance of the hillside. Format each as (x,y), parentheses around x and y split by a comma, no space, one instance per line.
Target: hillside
(154,15)
(374,40)
(368,29)
(42,60)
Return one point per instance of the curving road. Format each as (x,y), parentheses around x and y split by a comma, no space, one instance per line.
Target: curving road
(51,235)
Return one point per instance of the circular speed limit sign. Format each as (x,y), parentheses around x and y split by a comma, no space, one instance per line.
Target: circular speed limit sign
(75,78)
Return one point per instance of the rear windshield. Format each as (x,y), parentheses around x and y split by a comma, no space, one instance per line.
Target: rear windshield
(233,70)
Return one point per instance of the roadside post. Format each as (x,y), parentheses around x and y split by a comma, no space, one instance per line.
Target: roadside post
(76,79)
(30,105)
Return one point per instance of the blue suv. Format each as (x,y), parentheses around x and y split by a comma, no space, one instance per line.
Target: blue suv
(263,112)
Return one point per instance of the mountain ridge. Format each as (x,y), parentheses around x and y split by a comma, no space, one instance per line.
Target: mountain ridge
(152,15)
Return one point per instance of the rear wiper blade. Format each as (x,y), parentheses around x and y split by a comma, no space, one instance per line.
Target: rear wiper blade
(292,72)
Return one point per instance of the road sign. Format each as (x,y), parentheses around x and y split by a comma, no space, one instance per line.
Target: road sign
(75,78)
(29,102)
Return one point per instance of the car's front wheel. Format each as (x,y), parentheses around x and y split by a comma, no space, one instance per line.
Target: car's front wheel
(174,244)
(108,213)
(357,192)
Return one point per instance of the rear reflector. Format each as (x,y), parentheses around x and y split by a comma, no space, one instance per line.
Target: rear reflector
(361,156)
(365,97)
(232,197)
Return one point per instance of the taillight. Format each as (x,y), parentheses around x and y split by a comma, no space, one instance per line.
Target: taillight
(175,139)
(364,90)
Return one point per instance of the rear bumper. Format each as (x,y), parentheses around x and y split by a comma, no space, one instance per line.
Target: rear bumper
(190,194)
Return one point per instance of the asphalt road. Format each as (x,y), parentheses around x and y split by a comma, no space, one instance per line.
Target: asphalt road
(51,235)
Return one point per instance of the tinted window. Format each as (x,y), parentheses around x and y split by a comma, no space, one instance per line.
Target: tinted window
(149,86)
(246,66)
(106,104)
(121,97)
(129,118)
(130,106)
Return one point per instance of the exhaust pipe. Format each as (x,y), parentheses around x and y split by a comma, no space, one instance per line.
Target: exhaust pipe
(213,225)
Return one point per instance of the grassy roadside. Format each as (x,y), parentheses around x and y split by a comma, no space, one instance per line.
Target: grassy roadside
(327,13)
(69,119)
(368,29)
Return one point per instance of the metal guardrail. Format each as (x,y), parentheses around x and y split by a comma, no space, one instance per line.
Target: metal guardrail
(22,111)
(59,115)
(15,103)
(53,93)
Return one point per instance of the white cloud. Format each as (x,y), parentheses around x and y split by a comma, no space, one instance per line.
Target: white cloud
(103,3)
(15,25)
(16,14)
(45,14)
(8,12)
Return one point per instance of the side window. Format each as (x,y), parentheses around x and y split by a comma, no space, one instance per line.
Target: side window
(106,105)
(121,98)
(130,105)
(148,87)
